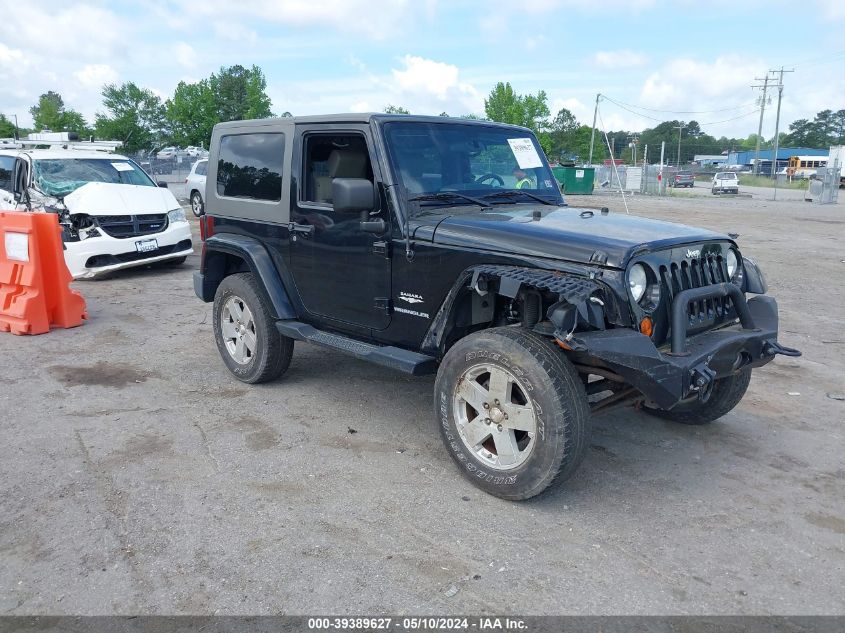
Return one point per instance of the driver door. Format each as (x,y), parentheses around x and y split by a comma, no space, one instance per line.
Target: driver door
(342,274)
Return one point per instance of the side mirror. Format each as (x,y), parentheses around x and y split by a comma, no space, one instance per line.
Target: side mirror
(20,178)
(353,194)
(162,184)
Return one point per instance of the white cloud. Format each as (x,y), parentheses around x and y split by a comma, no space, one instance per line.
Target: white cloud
(621,59)
(94,76)
(186,56)
(361,106)
(833,9)
(684,82)
(425,81)
(377,20)
(421,85)
(234,32)
(425,75)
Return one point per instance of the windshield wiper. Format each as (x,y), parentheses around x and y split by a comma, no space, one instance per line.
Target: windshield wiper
(446,196)
(512,193)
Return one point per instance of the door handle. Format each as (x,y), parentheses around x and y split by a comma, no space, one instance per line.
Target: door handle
(306,230)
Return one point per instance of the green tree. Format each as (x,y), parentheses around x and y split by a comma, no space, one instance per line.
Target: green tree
(50,114)
(192,113)
(504,105)
(827,128)
(135,116)
(559,134)
(7,127)
(394,109)
(240,93)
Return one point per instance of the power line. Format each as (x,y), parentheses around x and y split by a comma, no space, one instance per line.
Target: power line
(813,61)
(739,107)
(645,116)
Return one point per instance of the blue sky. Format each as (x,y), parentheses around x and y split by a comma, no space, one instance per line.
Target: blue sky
(432,55)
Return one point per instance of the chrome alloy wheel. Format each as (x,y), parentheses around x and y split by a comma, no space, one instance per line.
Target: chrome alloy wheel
(495,416)
(196,204)
(238,330)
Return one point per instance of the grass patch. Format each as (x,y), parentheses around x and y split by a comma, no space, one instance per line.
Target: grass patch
(763,181)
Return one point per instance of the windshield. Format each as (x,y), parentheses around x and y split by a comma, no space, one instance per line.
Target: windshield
(60,176)
(476,161)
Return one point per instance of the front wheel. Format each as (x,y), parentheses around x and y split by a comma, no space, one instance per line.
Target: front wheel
(727,393)
(512,412)
(246,335)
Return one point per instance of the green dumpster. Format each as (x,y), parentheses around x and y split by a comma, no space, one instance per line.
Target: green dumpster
(575,180)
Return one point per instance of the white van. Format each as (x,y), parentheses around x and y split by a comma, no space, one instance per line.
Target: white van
(113,215)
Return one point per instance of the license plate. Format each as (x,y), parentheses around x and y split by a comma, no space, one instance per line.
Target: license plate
(145,246)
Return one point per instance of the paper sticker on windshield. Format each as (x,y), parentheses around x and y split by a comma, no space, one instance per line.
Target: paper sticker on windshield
(524,152)
(122,166)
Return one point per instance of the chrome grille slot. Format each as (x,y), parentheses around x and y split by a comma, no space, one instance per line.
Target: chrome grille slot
(125,226)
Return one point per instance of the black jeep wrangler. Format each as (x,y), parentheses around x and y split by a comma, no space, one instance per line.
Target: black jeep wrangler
(430,244)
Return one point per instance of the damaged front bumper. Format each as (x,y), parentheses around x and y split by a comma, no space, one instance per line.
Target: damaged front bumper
(691,365)
(103,254)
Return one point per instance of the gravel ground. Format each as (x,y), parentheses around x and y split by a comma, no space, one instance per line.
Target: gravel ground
(139,477)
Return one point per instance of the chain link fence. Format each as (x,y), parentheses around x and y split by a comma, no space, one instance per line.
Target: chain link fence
(824,188)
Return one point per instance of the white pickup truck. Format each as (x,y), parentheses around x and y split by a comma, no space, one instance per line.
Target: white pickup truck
(725,182)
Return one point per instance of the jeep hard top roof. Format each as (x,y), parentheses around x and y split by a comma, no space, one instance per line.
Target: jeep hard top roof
(367,117)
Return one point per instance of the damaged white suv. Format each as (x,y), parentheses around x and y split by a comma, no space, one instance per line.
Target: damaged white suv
(113,215)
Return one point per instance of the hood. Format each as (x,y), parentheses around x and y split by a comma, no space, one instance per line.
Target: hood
(101,198)
(565,233)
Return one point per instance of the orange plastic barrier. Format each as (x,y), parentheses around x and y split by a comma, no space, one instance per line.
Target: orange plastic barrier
(34,279)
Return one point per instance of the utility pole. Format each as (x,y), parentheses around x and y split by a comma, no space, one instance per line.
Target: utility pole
(765,87)
(593,134)
(777,130)
(680,128)
(17,132)
(633,139)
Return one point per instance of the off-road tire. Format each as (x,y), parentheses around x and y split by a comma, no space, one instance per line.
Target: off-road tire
(727,393)
(557,394)
(273,351)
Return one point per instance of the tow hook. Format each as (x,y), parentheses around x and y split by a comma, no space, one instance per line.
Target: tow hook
(772,348)
(702,380)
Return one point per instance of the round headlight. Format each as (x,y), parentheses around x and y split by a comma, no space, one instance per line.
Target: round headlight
(732,263)
(637,281)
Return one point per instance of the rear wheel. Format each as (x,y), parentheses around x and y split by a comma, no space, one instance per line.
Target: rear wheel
(512,412)
(197,205)
(726,394)
(244,329)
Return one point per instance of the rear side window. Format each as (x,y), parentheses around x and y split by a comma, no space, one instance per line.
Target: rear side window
(7,166)
(250,166)
(202,168)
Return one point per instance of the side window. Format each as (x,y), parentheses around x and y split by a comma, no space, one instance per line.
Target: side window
(7,168)
(250,166)
(202,168)
(329,156)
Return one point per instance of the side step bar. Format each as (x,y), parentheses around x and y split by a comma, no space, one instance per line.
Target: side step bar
(387,356)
